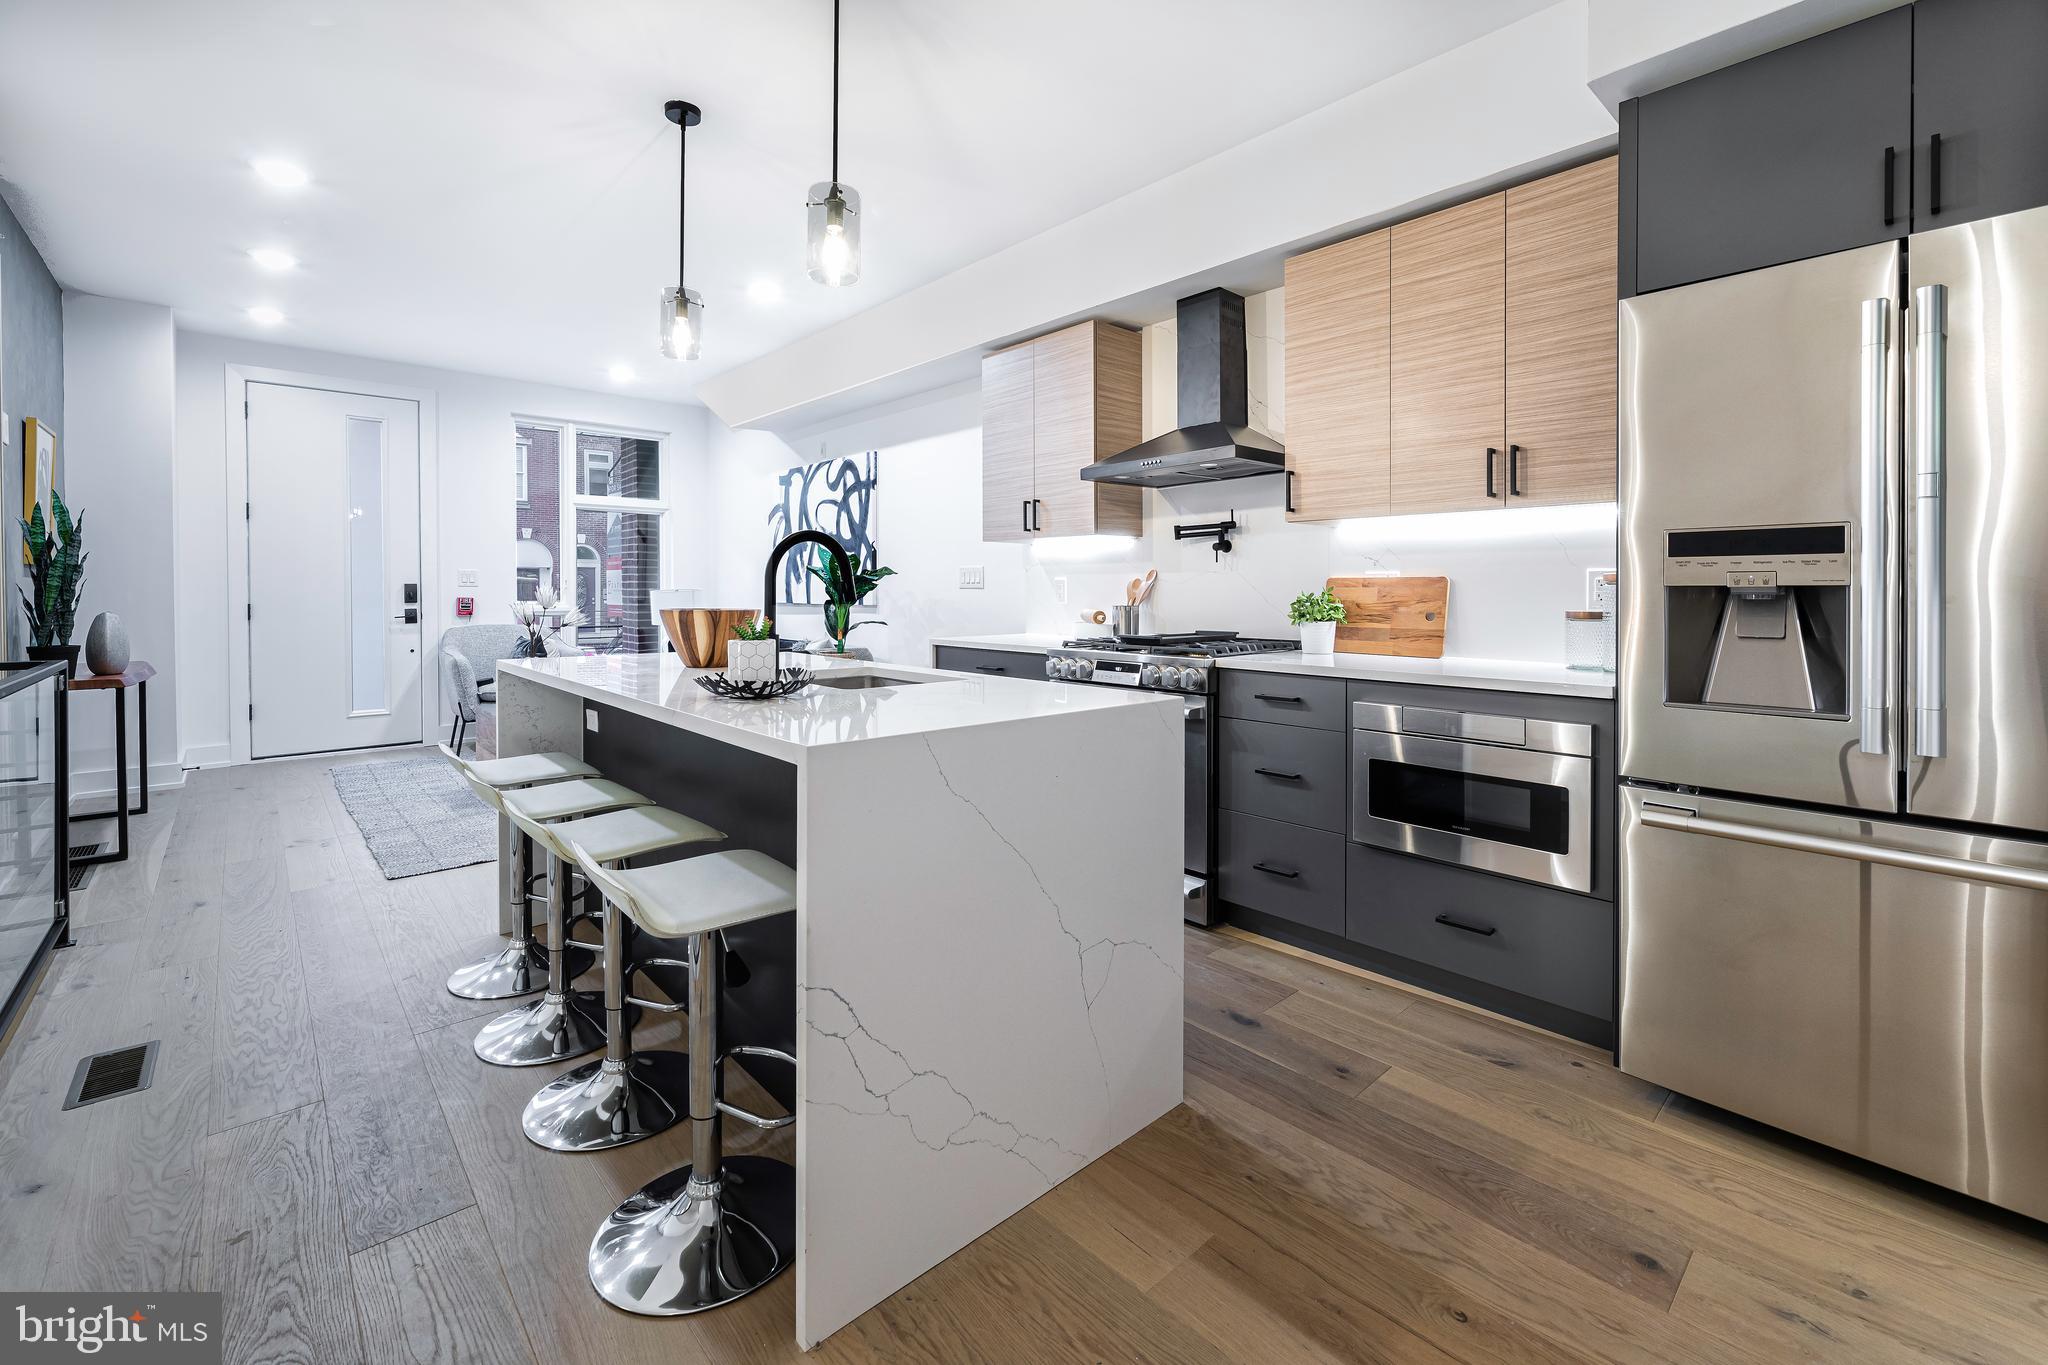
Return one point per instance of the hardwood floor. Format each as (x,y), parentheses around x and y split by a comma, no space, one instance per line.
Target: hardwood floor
(1360,1173)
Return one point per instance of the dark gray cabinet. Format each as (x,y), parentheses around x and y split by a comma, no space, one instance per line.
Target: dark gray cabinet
(1284,699)
(1283,772)
(1796,153)
(1283,870)
(1980,109)
(1000,663)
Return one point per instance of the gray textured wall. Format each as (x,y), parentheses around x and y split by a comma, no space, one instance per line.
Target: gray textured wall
(31,384)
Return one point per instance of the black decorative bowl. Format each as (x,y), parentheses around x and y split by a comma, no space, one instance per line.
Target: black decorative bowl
(787,683)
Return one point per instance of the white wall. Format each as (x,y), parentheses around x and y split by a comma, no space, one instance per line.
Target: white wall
(928,523)
(115,447)
(471,444)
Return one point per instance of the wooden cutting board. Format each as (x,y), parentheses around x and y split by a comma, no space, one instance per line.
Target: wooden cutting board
(1403,616)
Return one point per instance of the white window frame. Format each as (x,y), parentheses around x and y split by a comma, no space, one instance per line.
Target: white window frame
(568,452)
(522,451)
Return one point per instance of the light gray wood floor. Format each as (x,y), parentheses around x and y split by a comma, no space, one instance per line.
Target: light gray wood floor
(1360,1173)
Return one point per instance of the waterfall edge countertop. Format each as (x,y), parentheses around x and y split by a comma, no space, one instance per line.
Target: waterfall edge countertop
(982,980)
(659,687)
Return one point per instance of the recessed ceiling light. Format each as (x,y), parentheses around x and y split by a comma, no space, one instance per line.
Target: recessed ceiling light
(264,315)
(765,291)
(270,258)
(622,374)
(282,174)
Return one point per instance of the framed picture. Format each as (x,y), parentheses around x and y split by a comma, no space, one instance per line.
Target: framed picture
(38,473)
(833,496)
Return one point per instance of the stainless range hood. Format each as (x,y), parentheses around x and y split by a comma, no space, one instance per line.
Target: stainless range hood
(1213,441)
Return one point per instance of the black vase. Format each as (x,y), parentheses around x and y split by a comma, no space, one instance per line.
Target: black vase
(522,648)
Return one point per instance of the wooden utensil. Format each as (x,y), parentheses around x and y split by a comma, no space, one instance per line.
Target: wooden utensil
(1401,616)
(1145,587)
(1131,592)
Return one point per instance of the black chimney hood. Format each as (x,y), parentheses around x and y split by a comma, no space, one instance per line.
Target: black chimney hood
(1213,441)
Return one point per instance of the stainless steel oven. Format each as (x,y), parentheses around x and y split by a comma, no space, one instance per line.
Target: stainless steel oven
(1503,794)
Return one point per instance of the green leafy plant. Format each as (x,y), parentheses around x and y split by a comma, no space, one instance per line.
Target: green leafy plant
(1313,607)
(760,628)
(841,596)
(56,570)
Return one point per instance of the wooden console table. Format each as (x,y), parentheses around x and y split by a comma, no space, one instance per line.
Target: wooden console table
(135,676)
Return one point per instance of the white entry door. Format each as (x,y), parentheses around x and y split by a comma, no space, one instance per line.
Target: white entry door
(334,570)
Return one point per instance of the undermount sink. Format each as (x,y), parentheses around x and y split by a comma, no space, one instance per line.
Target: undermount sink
(861,681)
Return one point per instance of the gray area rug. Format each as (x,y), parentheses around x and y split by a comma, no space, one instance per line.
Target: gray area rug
(416,815)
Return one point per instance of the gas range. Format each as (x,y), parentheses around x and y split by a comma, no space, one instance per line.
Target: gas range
(1181,662)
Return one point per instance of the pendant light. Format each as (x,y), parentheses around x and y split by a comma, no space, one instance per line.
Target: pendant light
(682,308)
(833,211)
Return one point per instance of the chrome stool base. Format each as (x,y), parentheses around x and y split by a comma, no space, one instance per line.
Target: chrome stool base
(514,971)
(680,1247)
(609,1103)
(553,1028)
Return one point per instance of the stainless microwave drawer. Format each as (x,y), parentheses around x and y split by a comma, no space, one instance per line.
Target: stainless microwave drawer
(1283,772)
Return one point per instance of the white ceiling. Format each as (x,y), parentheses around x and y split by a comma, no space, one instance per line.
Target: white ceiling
(494,184)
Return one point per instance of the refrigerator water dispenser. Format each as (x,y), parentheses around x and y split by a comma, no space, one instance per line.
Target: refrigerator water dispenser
(1756,618)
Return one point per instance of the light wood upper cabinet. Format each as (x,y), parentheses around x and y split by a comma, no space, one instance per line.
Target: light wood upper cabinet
(1449,340)
(1414,350)
(1561,336)
(1338,380)
(1050,408)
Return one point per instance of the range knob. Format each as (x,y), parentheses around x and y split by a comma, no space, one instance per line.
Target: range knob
(1193,680)
(1150,676)
(1052,665)
(1084,669)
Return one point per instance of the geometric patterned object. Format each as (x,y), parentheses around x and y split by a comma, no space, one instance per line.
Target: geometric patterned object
(417,815)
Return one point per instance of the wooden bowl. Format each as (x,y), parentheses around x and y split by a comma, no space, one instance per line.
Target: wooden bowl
(699,633)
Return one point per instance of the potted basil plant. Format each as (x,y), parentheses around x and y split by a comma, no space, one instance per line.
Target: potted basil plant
(751,655)
(1318,614)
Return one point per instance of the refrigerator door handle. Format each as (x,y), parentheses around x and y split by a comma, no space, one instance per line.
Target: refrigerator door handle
(1994,874)
(1930,572)
(1870,563)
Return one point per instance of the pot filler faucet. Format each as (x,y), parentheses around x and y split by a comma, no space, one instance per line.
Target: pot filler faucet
(840,562)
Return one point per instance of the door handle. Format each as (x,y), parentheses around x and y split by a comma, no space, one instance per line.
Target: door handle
(1284,777)
(1483,930)
(1996,874)
(1490,453)
(1871,738)
(1276,871)
(411,616)
(1515,470)
(1930,569)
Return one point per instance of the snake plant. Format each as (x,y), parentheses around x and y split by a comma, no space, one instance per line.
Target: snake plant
(56,567)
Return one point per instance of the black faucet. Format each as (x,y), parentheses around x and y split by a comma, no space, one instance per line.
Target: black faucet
(841,564)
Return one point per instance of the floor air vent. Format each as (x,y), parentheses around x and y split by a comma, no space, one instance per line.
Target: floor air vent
(104,1075)
(80,874)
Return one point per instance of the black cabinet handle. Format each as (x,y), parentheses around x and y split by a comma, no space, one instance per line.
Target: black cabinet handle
(1284,777)
(990,668)
(1287,499)
(1515,470)
(1891,156)
(1449,923)
(1037,522)
(1490,453)
(1276,871)
(1274,696)
(1026,506)
(1933,174)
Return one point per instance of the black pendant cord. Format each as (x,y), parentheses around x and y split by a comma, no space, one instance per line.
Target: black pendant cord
(835,94)
(682,200)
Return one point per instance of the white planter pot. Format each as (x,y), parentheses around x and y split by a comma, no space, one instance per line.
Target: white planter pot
(751,660)
(1319,637)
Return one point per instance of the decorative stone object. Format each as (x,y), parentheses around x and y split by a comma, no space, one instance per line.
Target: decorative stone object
(751,661)
(106,645)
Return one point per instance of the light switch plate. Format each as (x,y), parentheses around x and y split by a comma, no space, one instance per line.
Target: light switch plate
(465,578)
(971,576)
(590,720)
(1059,590)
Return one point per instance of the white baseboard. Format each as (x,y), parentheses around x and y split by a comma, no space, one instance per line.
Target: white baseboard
(207,756)
(96,785)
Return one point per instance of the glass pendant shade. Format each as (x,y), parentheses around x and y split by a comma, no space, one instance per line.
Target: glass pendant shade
(682,323)
(834,223)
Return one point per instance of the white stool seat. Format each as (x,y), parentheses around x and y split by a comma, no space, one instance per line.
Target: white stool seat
(624,833)
(525,770)
(531,806)
(697,895)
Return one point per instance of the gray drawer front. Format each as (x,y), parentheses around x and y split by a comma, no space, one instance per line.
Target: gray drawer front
(1283,772)
(1284,698)
(1281,869)
(1546,944)
(1001,663)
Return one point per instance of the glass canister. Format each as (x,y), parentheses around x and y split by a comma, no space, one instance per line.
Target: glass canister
(1588,643)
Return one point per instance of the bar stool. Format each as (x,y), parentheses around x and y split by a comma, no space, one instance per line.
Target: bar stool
(520,967)
(562,1023)
(722,1226)
(622,1097)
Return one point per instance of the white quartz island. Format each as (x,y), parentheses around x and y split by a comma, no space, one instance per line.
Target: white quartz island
(987,971)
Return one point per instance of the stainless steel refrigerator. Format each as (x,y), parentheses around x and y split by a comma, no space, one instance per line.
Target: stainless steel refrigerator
(1834,701)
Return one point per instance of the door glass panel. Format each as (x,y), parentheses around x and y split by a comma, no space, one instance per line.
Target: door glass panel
(1530,814)
(368,645)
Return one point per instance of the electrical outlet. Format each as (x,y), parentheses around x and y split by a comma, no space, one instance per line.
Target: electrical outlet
(590,719)
(1059,591)
(970,576)
(465,578)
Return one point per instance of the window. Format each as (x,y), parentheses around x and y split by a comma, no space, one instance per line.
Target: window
(596,494)
(520,451)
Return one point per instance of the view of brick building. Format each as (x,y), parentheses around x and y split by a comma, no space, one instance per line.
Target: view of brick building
(614,561)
